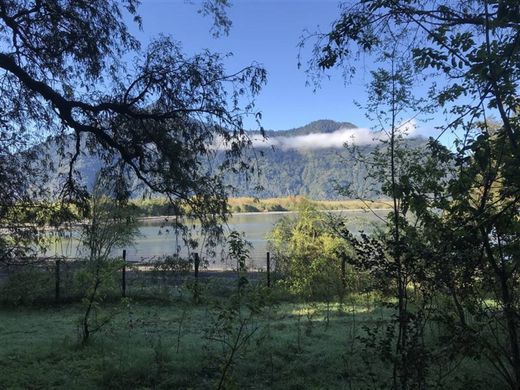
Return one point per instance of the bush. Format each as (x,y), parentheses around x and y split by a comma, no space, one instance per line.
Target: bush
(27,285)
(307,254)
(249,208)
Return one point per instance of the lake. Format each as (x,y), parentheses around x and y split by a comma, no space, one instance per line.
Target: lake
(156,240)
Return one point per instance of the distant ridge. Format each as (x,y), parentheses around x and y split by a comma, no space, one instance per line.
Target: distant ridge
(319,126)
(311,172)
(313,164)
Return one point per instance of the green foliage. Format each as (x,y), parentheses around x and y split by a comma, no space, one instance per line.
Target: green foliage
(239,249)
(27,285)
(112,224)
(306,253)
(454,225)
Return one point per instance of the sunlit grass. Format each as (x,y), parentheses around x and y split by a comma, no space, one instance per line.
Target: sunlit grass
(162,344)
(321,307)
(292,203)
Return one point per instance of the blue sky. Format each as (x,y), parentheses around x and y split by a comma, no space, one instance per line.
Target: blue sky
(268,32)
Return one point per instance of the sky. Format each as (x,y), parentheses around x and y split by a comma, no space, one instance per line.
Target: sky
(267,32)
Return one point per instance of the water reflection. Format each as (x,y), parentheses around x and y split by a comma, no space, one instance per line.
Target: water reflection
(158,239)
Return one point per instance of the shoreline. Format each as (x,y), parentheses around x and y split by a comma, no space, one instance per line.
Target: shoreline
(172,217)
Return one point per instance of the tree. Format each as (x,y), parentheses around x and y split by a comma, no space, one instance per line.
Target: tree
(410,176)
(484,211)
(71,70)
(470,50)
(239,251)
(306,252)
(112,224)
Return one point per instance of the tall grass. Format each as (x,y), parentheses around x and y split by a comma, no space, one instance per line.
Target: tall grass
(160,206)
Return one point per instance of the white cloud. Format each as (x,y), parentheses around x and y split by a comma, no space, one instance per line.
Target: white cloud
(336,139)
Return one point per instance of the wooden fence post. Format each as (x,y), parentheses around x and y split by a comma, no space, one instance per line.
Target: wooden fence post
(123,275)
(57,280)
(268,269)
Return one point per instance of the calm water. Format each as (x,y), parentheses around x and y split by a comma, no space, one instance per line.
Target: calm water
(156,240)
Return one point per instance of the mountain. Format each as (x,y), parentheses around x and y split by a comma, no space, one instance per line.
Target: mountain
(319,126)
(308,160)
(301,161)
(311,161)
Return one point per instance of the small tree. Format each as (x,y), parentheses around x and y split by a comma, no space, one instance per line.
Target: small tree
(234,322)
(112,224)
(307,254)
(239,251)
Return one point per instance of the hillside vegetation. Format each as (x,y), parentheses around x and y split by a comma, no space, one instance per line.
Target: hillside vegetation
(316,173)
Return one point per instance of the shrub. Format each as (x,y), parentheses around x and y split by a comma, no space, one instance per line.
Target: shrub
(249,208)
(306,253)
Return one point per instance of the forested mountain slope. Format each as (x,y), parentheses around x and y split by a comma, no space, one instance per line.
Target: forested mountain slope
(308,160)
(311,161)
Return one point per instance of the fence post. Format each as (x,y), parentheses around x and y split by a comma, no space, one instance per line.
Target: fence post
(268,269)
(57,280)
(197,262)
(123,275)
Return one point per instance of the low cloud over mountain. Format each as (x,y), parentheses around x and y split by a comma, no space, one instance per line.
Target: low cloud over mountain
(334,139)
(308,160)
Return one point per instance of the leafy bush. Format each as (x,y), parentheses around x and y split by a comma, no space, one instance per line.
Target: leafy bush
(308,254)
(28,284)
(249,208)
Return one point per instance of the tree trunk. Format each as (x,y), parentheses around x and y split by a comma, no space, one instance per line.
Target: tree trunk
(91,298)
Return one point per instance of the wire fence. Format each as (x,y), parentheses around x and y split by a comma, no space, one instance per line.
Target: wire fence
(60,279)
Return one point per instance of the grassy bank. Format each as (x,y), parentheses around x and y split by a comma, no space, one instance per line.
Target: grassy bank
(293,203)
(159,206)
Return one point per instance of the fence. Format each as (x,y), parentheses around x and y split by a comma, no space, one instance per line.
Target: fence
(65,279)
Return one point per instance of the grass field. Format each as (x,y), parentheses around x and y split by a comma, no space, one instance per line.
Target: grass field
(292,203)
(176,344)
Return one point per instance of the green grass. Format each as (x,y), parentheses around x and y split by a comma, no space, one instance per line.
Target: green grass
(41,350)
(158,344)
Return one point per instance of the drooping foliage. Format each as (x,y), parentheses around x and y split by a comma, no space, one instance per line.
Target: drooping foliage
(73,71)
(308,254)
